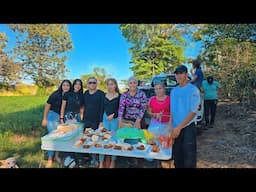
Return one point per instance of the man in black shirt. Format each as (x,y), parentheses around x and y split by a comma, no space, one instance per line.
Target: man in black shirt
(93,110)
(93,105)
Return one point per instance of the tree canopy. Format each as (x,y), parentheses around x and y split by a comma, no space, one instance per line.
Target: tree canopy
(156,48)
(42,48)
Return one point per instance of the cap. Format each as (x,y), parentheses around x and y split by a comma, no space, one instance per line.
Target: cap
(181,69)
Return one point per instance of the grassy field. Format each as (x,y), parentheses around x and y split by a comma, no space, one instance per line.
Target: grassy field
(20,129)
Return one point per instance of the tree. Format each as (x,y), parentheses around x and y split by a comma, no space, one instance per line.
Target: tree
(230,54)
(100,74)
(10,71)
(41,48)
(155,48)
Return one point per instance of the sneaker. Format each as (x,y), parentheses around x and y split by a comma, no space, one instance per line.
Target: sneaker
(69,162)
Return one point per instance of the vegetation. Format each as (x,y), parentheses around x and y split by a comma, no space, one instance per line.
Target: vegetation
(100,74)
(20,125)
(156,48)
(230,55)
(41,49)
(10,71)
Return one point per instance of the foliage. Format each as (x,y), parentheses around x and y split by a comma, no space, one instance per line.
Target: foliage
(42,50)
(100,74)
(155,48)
(20,125)
(230,55)
(10,71)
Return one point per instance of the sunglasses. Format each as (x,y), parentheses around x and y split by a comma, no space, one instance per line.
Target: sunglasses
(92,82)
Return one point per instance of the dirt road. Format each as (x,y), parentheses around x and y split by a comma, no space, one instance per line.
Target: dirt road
(232,141)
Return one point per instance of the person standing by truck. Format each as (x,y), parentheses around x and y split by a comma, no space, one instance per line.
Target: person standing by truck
(198,75)
(185,99)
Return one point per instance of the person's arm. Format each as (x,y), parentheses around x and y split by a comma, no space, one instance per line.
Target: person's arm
(143,106)
(153,115)
(194,78)
(82,113)
(46,111)
(62,110)
(194,75)
(101,109)
(176,130)
(195,101)
(121,109)
(118,101)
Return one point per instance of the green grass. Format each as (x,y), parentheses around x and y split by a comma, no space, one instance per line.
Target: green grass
(21,130)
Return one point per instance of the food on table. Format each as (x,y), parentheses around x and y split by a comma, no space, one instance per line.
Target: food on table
(108,146)
(150,142)
(141,147)
(66,127)
(88,130)
(104,130)
(117,147)
(83,139)
(130,148)
(155,149)
(86,146)
(106,136)
(78,143)
(98,145)
(124,146)
(95,138)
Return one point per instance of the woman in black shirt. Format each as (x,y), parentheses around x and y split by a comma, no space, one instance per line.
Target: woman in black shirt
(52,113)
(110,116)
(72,102)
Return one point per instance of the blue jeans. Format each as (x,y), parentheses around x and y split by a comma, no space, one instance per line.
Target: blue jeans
(184,148)
(52,123)
(110,126)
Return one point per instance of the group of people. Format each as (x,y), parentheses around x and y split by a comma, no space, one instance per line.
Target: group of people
(173,114)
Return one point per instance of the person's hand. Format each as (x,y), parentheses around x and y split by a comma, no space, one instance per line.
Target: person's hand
(159,116)
(62,121)
(44,122)
(137,123)
(120,125)
(101,124)
(176,133)
(110,117)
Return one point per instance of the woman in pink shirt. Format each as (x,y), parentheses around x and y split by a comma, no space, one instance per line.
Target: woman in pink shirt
(159,110)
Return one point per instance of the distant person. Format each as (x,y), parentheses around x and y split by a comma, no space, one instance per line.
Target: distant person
(185,99)
(51,117)
(93,110)
(110,118)
(210,89)
(198,75)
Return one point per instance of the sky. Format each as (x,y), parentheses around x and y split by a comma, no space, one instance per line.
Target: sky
(99,45)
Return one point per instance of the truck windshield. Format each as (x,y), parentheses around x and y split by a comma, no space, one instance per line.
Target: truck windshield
(169,81)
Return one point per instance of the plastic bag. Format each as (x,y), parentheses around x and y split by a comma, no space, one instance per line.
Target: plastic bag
(158,128)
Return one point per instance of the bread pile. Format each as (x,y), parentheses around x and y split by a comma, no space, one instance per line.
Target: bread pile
(66,127)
